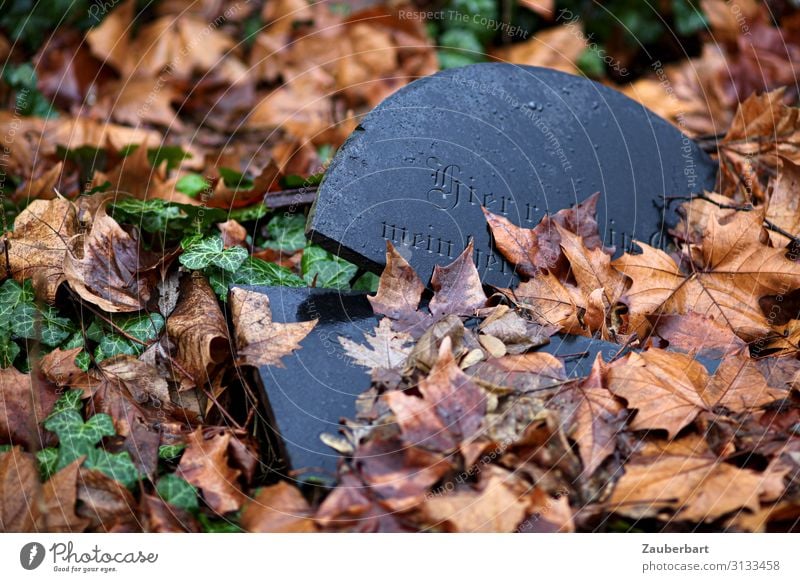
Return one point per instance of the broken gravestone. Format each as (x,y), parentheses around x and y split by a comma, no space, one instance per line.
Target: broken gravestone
(317,385)
(519,141)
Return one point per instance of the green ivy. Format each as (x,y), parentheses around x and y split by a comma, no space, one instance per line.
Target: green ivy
(177,492)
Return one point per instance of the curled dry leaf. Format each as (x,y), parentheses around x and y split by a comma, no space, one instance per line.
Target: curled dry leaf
(205,465)
(59,367)
(198,329)
(38,245)
(106,503)
(107,267)
(259,340)
(279,508)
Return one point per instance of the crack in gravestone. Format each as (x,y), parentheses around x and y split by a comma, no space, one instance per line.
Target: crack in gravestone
(520,141)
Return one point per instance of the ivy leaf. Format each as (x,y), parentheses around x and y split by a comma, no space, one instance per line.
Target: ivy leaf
(69,400)
(48,462)
(210,251)
(288,232)
(325,269)
(170,452)
(177,492)
(118,466)
(145,328)
(54,329)
(113,345)
(8,351)
(76,437)
(12,296)
(192,184)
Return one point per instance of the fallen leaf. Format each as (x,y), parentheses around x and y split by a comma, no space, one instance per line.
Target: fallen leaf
(205,465)
(198,329)
(25,402)
(19,491)
(385,348)
(109,269)
(457,287)
(59,496)
(38,245)
(279,508)
(686,478)
(259,340)
(594,415)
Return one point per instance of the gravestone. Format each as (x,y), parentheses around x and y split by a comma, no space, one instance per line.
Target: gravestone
(318,384)
(520,141)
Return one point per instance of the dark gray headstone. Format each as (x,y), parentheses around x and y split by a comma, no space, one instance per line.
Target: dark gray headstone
(521,141)
(318,384)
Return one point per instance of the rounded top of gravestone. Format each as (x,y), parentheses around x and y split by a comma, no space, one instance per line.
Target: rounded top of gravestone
(520,141)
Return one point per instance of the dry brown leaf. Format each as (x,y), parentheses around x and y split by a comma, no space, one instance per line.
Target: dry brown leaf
(19,491)
(698,334)
(109,269)
(783,206)
(38,245)
(205,465)
(279,508)
(733,269)
(494,508)
(259,340)
(558,48)
(458,289)
(198,328)
(25,401)
(105,502)
(399,289)
(686,478)
(59,496)
(385,348)
(595,416)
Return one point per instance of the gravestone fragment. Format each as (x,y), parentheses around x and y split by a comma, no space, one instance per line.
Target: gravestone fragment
(521,142)
(318,384)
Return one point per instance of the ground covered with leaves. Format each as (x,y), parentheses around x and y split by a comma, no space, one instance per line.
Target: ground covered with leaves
(135,167)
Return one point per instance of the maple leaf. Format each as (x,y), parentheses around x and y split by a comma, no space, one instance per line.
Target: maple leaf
(198,329)
(39,243)
(687,478)
(457,287)
(279,508)
(733,269)
(399,288)
(495,508)
(698,334)
(385,348)
(533,250)
(594,415)
(457,401)
(670,389)
(205,465)
(108,269)
(259,340)
(783,206)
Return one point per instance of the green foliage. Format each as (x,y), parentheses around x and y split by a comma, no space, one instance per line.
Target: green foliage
(22,319)
(48,462)
(192,184)
(78,438)
(172,156)
(177,492)
(287,232)
(122,336)
(31,22)
(236,180)
(211,525)
(461,47)
(367,282)
(204,252)
(324,269)
(29,101)
(688,17)
(170,452)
